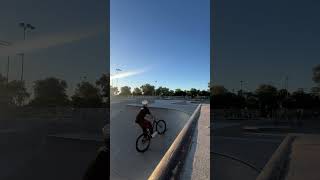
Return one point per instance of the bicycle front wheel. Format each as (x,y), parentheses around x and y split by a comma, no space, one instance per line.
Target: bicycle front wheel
(143,143)
(161,127)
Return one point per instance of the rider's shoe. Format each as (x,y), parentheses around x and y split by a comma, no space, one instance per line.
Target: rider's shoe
(154,134)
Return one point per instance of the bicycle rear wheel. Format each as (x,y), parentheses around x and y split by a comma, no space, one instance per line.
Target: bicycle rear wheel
(161,126)
(143,143)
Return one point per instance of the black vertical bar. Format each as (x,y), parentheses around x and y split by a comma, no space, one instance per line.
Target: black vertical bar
(8,65)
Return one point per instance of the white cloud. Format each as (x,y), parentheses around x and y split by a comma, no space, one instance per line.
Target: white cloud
(127,73)
(47,40)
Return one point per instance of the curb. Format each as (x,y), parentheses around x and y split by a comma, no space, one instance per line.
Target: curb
(275,167)
(172,161)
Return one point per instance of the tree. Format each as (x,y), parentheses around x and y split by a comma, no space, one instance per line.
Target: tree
(315,91)
(179,92)
(316,74)
(267,96)
(188,93)
(171,93)
(283,96)
(302,99)
(103,83)
(13,92)
(4,97)
(17,92)
(114,90)
(125,91)
(194,92)
(252,102)
(137,92)
(228,100)
(3,80)
(50,92)
(204,93)
(162,91)
(218,90)
(87,96)
(147,89)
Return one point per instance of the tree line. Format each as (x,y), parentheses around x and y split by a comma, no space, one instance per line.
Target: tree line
(267,97)
(150,90)
(52,92)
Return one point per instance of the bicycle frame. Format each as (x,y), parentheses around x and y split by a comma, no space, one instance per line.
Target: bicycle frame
(154,123)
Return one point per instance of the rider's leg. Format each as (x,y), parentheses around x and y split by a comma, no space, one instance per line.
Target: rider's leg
(144,129)
(149,126)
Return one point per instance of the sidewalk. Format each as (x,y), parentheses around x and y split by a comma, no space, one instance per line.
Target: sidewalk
(304,160)
(296,158)
(197,164)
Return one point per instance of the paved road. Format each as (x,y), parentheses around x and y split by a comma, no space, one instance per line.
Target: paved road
(126,162)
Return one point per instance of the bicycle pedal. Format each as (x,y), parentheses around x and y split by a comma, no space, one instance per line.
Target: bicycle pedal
(154,134)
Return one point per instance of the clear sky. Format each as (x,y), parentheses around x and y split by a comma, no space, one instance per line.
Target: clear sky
(165,41)
(265,41)
(69,41)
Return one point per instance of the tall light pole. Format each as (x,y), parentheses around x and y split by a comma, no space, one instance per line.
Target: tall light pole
(8,65)
(6,44)
(25,28)
(241,86)
(22,64)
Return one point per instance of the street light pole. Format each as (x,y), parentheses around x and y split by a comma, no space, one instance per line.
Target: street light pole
(25,28)
(22,65)
(8,65)
(6,44)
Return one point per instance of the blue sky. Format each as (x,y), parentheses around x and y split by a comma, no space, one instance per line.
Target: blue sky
(165,41)
(265,41)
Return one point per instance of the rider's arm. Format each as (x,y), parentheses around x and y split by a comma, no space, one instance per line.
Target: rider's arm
(148,112)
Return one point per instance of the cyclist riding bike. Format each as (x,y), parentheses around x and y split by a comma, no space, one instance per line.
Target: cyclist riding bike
(141,118)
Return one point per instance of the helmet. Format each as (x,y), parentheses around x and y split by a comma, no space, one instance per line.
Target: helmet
(145,102)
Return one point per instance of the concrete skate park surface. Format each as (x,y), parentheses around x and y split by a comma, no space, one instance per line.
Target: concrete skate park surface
(180,105)
(126,162)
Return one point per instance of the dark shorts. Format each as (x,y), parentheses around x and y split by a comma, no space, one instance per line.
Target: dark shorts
(145,124)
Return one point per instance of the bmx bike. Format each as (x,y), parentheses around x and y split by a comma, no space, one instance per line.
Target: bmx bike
(143,141)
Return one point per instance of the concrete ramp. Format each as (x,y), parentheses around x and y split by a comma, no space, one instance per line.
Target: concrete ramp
(126,162)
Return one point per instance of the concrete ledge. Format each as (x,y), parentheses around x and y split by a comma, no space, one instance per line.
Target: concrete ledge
(276,165)
(171,162)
